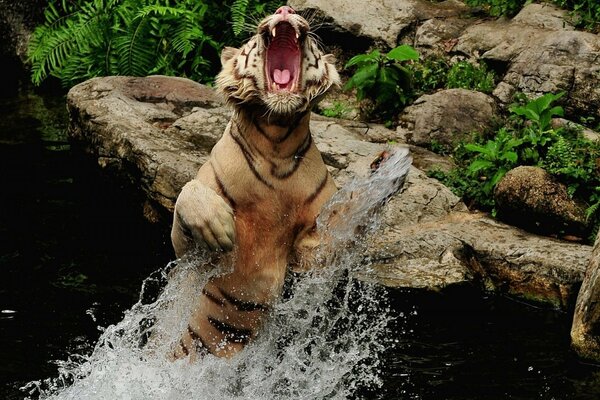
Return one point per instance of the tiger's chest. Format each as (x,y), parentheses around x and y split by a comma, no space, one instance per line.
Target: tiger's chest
(275,197)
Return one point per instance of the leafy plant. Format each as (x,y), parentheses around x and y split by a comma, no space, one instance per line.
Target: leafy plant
(429,74)
(493,160)
(83,39)
(499,7)
(337,110)
(383,78)
(528,138)
(466,75)
(585,12)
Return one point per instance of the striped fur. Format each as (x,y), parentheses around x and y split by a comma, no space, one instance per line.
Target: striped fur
(256,200)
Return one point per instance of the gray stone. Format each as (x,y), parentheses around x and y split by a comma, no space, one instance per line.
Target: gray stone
(140,127)
(537,60)
(585,331)
(381,21)
(157,131)
(470,248)
(546,16)
(439,36)
(446,117)
(531,198)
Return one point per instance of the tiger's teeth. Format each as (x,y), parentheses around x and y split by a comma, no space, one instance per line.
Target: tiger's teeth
(297,36)
(273,86)
(273,32)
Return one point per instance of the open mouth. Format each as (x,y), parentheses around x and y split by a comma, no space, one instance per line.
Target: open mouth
(283,58)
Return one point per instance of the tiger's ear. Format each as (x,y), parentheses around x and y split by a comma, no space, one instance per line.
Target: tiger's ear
(329,58)
(227,54)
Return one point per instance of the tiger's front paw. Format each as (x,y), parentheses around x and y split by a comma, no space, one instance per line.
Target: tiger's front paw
(202,217)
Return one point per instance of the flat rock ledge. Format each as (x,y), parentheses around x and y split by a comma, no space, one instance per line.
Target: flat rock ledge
(157,131)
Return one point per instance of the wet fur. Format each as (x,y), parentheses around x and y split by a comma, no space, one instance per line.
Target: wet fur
(258,196)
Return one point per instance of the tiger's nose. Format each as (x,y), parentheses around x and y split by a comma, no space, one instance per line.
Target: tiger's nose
(285,11)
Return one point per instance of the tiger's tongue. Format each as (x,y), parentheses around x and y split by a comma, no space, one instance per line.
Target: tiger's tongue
(281,77)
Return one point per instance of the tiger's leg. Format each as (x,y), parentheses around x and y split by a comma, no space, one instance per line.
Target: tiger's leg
(202,217)
(231,310)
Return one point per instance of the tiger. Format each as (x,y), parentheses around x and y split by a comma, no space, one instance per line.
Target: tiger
(254,203)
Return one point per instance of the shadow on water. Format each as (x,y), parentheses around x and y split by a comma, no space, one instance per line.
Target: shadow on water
(73,240)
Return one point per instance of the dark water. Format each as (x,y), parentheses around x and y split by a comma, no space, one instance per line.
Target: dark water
(72,240)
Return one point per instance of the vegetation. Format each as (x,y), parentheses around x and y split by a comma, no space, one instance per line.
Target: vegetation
(83,39)
(467,75)
(586,13)
(395,79)
(338,109)
(384,78)
(528,138)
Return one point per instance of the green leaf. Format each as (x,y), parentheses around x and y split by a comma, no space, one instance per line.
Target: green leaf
(476,148)
(479,165)
(510,156)
(497,176)
(372,57)
(364,77)
(389,75)
(403,53)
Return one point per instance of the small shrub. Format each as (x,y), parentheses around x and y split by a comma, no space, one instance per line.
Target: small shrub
(384,78)
(466,75)
(337,110)
(499,7)
(528,139)
(429,74)
(586,13)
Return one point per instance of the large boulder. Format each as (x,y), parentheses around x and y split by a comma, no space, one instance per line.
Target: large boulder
(536,52)
(531,198)
(380,22)
(538,56)
(157,131)
(446,117)
(466,248)
(585,331)
(147,130)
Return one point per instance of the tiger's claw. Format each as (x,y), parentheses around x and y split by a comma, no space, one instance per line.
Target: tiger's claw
(203,218)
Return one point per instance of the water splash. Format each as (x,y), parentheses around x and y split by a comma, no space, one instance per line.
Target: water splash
(321,341)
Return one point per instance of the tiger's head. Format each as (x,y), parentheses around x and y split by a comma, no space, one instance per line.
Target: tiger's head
(280,70)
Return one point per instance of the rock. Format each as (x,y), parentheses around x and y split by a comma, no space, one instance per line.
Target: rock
(585,331)
(157,131)
(464,248)
(540,55)
(381,22)
(145,129)
(545,16)
(446,117)
(439,36)
(531,198)
(587,133)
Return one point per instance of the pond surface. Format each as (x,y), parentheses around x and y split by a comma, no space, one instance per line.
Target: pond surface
(73,244)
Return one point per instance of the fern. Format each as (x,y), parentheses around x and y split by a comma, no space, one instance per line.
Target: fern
(238,15)
(81,39)
(59,41)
